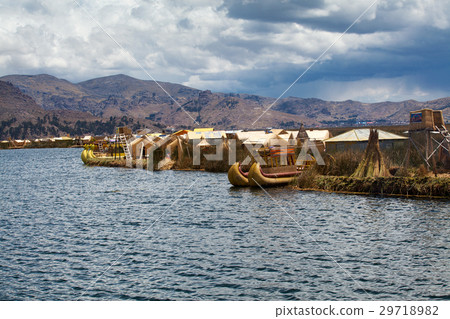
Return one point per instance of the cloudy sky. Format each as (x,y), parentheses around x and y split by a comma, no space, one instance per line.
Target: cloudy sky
(398,50)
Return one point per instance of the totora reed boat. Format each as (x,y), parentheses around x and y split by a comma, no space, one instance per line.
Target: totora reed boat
(274,172)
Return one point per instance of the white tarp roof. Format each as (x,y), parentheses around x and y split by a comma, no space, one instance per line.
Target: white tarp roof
(144,139)
(318,135)
(270,139)
(194,135)
(362,135)
(261,134)
(278,131)
(258,138)
(203,143)
(206,135)
(288,136)
(314,135)
(242,136)
(214,134)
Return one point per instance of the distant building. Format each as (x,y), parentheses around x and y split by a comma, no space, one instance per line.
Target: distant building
(272,137)
(208,135)
(357,140)
(86,139)
(139,147)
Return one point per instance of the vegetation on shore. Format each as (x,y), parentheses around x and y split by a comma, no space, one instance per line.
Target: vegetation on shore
(336,176)
(107,162)
(428,186)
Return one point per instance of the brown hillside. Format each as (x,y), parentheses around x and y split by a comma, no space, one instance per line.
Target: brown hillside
(121,95)
(21,117)
(15,104)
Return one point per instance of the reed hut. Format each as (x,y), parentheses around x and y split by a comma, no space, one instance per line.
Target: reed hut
(140,146)
(357,140)
(432,149)
(425,119)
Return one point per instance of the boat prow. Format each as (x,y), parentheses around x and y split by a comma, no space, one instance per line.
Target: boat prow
(236,176)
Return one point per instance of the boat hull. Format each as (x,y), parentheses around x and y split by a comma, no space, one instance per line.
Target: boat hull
(84,156)
(257,178)
(235,176)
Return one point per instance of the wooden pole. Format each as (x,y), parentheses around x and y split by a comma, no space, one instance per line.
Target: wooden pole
(433,157)
(115,147)
(408,152)
(429,151)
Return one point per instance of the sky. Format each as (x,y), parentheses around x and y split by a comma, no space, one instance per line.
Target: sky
(397,50)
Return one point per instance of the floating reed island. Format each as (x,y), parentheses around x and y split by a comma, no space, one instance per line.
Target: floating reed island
(362,161)
(424,187)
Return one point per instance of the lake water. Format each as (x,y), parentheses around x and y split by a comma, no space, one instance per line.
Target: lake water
(70,232)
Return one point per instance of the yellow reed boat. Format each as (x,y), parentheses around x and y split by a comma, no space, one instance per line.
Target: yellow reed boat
(274,172)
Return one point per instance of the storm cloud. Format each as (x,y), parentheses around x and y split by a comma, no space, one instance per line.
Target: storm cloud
(397,50)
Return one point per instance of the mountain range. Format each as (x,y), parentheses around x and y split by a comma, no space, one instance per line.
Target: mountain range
(120,99)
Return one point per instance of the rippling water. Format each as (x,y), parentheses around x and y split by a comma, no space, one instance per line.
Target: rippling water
(72,232)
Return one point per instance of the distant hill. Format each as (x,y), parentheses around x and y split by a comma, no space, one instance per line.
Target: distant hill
(354,112)
(15,104)
(21,117)
(120,95)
